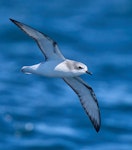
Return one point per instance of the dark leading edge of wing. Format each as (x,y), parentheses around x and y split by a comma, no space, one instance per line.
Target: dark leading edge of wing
(87,99)
(48,47)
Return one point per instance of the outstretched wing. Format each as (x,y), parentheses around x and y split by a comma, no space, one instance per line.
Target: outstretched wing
(87,99)
(48,47)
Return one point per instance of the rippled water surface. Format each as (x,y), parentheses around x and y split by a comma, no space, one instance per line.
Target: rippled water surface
(43,113)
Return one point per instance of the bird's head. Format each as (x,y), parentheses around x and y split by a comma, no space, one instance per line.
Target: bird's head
(81,68)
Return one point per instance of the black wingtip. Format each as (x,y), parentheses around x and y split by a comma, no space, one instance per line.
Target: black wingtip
(97,129)
(14,21)
(97,126)
(10,19)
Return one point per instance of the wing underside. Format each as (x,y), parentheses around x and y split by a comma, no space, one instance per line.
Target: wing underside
(87,99)
(48,47)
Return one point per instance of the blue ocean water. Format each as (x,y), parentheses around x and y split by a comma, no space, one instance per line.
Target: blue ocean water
(43,113)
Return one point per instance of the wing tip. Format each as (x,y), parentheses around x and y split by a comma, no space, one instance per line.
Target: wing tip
(97,128)
(96,124)
(19,24)
(14,21)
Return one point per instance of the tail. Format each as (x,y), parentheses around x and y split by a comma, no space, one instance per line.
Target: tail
(26,70)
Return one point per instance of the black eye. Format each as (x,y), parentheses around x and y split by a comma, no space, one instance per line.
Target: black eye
(80,67)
